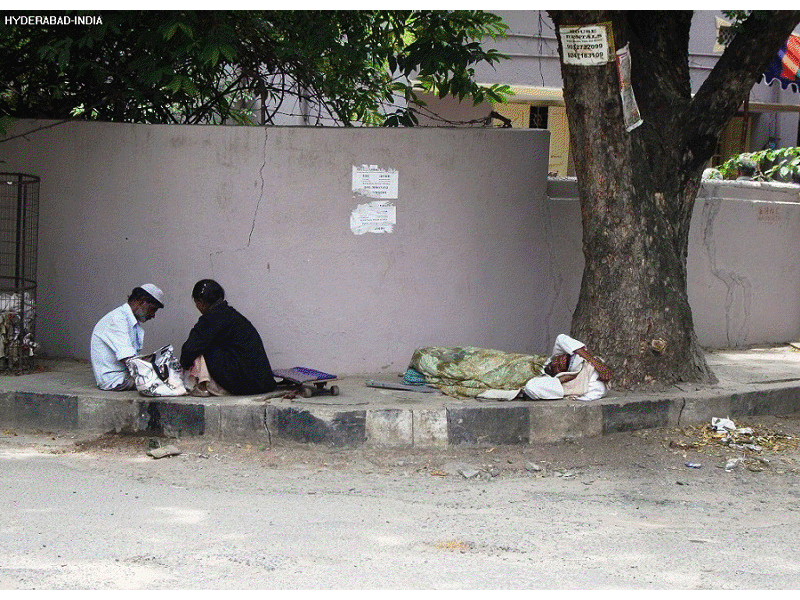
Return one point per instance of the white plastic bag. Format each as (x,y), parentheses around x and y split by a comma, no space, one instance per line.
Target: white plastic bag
(722,425)
(158,374)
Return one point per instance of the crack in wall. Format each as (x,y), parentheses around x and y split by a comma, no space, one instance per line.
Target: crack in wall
(211,260)
(736,334)
(261,195)
(255,211)
(265,423)
(680,412)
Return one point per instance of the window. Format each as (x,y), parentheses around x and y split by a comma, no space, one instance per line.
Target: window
(538,117)
(725,34)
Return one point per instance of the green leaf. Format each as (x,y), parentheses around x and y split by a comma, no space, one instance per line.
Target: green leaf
(5,124)
(189,86)
(170,31)
(228,51)
(175,84)
(186,29)
(212,56)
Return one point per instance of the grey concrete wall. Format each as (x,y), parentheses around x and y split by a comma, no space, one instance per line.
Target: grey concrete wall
(744,264)
(267,212)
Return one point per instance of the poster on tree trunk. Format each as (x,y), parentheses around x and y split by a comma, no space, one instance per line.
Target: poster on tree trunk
(587,45)
(630,110)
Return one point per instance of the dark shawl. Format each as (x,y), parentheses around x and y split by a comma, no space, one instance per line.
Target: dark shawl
(233,351)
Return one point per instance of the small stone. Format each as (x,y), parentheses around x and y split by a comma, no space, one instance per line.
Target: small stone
(456,468)
(533,467)
(164,451)
(733,463)
(468,472)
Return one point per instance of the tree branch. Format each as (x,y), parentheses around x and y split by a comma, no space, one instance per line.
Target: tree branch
(730,82)
(19,135)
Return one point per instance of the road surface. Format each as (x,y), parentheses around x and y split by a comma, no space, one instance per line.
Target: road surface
(623,511)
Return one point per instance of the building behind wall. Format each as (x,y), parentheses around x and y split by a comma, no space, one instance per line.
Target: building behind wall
(533,72)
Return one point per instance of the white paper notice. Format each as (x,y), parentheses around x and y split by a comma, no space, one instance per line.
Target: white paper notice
(373,182)
(586,45)
(379,216)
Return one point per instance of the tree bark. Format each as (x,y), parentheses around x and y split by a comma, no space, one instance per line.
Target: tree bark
(637,189)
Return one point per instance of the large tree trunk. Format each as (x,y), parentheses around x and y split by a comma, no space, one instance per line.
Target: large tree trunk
(637,189)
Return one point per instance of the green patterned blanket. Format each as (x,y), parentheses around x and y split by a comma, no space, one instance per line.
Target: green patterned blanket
(468,371)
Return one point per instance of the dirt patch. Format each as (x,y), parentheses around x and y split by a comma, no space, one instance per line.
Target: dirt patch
(113,442)
(773,447)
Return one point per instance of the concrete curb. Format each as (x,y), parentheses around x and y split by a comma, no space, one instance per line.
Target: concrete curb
(372,422)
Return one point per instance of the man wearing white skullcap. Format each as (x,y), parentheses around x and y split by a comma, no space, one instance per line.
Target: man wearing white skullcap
(119,336)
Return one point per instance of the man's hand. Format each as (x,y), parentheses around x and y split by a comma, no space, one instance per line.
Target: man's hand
(604,373)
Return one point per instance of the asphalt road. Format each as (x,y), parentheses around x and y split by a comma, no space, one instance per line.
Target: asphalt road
(622,512)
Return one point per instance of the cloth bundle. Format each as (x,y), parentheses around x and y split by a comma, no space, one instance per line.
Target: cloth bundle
(158,374)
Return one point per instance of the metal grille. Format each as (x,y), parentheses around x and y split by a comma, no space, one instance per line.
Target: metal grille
(19,237)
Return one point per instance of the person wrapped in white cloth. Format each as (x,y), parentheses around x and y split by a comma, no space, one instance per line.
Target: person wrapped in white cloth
(571,371)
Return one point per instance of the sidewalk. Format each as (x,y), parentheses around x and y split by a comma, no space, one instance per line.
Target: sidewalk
(63,397)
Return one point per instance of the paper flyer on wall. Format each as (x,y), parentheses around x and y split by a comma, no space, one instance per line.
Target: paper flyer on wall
(375,182)
(630,110)
(379,216)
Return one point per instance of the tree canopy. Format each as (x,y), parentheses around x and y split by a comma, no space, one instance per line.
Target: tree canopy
(209,66)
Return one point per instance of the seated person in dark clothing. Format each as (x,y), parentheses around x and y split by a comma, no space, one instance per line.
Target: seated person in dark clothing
(224,353)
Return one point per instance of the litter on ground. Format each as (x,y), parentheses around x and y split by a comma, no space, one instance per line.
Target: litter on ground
(747,443)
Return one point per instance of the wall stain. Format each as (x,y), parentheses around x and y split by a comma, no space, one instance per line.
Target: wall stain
(739,292)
